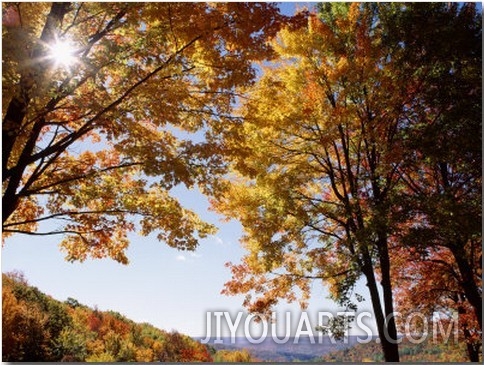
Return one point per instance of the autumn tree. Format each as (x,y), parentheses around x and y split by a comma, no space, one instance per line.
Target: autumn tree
(70,345)
(317,152)
(327,147)
(441,204)
(181,348)
(100,104)
(23,335)
(442,174)
(31,321)
(429,284)
(233,356)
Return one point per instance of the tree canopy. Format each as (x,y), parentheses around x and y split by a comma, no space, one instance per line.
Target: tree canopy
(361,140)
(99,104)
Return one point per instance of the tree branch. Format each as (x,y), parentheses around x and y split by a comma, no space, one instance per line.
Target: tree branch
(313,277)
(69,213)
(27,192)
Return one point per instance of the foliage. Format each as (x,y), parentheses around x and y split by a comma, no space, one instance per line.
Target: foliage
(439,266)
(32,321)
(232,356)
(356,153)
(316,157)
(23,335)
(97,144)
(429,284)
(426,351)
(32,331)
(360,141)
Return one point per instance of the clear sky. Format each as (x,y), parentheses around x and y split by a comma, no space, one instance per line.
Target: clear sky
(168,288)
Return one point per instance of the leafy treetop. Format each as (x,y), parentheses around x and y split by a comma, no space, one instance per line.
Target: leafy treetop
(97,143)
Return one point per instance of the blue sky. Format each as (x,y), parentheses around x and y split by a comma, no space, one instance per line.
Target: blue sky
(168,288)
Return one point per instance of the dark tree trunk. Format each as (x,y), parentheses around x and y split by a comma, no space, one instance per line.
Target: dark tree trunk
(387,288)
(389,346)
(472,347)
(473,352)
(468,283)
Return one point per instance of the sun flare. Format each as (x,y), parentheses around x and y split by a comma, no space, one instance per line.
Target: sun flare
(63,53)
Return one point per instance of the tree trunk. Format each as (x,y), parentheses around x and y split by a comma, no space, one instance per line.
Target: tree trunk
(468,284)
(472,347)
(389,346)
(473,352)
(17,109)
(387,287)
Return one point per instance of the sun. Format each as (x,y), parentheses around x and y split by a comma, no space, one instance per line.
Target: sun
(63,53)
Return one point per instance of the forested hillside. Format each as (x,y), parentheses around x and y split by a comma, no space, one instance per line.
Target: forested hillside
(427,351)
(37,327)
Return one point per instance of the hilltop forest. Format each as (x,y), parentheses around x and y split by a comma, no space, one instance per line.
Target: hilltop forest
(346,141)
(36,327)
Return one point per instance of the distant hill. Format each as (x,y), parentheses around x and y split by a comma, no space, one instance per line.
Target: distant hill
(348,351)
(427,351)
(290,351)
(36,327)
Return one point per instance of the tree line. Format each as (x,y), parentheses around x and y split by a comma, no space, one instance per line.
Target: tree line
(36,327)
